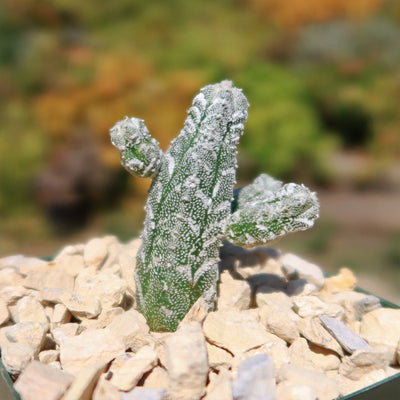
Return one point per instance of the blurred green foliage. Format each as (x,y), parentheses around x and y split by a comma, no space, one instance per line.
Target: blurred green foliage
(318,74)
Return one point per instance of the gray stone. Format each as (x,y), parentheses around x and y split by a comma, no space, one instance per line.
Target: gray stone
(256,379)
(349,340)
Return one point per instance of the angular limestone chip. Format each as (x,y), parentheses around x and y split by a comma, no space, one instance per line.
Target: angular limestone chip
(186,362)
(129,370)
(31,333)
(40,381)
(235,331)
(79,352)
(30,309)
(16,356)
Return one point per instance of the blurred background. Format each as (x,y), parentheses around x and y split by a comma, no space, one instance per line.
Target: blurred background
(322,78)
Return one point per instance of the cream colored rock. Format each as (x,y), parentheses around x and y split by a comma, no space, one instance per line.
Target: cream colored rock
(16,356)
(30,309)
(59,332)
(311,306)
(79,307)
(83,386)
(70,250)
(314,332)
(108,289)
(129,370)
(127,264)
(274,298)
(348,386)
(49,356)
(131,328)
(78,352)
(40,381)
(158,378)
(4,314)
(325,388)
(186,362)
(104,319)
(20,263)
(344,280)
(235,331)
(49,276)
(280,323)
(218,357)
(364,361)
(31,333)
(382,327)
(10,277)
(220,387)
(233,293)
(71,264)
(285,391)
(95,252)
(11,294)
(60,315)
(302,356)
(295,267)
(104,390)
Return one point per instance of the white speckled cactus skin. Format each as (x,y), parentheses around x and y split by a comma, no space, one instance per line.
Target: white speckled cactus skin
(190,204)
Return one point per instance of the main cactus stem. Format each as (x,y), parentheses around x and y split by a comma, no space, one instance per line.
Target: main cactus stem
(191,207)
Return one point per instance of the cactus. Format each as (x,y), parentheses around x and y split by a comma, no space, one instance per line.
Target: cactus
(191,207)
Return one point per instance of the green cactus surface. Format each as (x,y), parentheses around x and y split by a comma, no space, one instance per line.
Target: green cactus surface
(191,208)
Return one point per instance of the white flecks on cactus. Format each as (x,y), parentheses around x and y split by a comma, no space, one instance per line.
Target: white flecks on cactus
(191,200)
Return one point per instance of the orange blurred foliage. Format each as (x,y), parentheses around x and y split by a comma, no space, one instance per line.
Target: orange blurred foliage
(292,14)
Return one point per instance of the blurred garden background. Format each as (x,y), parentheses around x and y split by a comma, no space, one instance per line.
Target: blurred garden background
(322,78)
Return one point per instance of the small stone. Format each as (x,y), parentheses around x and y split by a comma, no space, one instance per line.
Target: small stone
(348,386)
(220,387)
(70,250)
(344,280)
(11,294)
(108,289)
(295,267)
(130,370)
(83,386)
(255,380)
(142,393)
(49,276)
(364,361)
(197,312)
(30,309)
(325,388)
(71,264)
(311,306)
(382,327)
(186,362)
(300,287)
(95,252)
(16,356)
(279,322)
(127,264)
(233,293)
(104,390)
(78,306)
(313,331)
(104,319)
(218,357)
(281,298)
(49,356)
(9,277)
(4,314)
(131,328)
(21,263)
(78,352)
(61,314)
(40,381)
(65,330)
(287,391)
(158,378)
(344,335)
(356,304)
(222,328)
(31,333)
